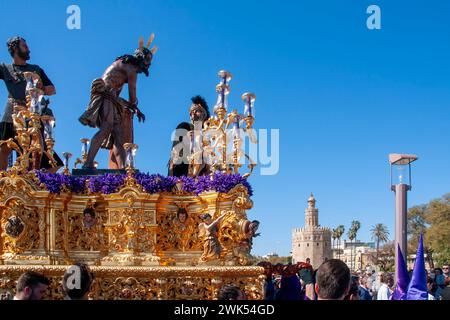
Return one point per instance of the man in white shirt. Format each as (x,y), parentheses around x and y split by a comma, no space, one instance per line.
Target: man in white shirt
(383,291)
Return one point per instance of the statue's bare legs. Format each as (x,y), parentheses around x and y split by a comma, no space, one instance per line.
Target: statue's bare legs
(107,127)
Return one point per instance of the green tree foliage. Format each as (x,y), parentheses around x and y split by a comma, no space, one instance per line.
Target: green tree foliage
(433,220)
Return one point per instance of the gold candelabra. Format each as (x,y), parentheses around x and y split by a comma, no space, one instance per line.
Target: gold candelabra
(221,129)
(28,123)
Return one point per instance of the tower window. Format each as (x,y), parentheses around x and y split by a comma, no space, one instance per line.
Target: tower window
(317,244)
(307,244)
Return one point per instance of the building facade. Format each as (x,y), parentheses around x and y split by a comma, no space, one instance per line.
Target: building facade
(357,255)
(311,241)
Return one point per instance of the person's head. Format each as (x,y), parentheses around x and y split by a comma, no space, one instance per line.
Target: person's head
(31,286)
(308,260)
(182,215)
(382,277)
(144,55)
(230,292)
(438,271)
(18,48)
(363,282)
(198,110)
(356,279)
(278,268)
(332,280)
(353,292)
(144,60)
(181,133)
(253,226)
(390,281)
(445,269)
(267,268)
(77,281)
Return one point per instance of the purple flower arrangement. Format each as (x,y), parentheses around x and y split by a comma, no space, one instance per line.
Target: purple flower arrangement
(106,183)
(155,183)
(151,183)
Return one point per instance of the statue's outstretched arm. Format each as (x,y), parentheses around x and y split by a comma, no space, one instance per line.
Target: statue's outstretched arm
(215,222)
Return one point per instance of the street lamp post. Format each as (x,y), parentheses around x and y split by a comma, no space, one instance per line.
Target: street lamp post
(401,184)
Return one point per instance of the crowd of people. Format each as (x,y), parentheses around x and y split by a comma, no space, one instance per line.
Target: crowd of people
(331,281)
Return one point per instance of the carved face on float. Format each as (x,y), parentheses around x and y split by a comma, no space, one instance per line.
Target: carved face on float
(182,216)
(89,219)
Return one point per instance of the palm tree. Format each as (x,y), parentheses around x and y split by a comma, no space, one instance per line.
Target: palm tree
(356,225)
(334,236)
(340,232)
(351,235)
(380,234)
(352,232)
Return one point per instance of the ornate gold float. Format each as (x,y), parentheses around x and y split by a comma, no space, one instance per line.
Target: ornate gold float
(141,245)
(135,238)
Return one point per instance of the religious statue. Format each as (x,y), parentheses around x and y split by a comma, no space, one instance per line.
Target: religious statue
(19,77)
(187,156)
(112,114)
(183,229)
(208,235)
(247,231)
(91,235)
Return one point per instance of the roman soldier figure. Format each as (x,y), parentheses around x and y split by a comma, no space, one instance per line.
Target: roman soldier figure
(188,142)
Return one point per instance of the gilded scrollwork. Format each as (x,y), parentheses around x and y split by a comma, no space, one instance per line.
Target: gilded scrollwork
(129,228)
(148,283)
(178,229)
(20,227)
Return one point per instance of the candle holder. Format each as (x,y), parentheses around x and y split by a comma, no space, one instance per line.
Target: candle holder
(49,124)
(249,114)
(216,127)
(130,149)
(27,121)
(66,156)
(223,90)
(84,152)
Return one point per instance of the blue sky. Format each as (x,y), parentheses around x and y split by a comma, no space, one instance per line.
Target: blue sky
(342,96)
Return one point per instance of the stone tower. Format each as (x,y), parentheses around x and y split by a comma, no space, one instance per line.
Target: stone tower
(312,241)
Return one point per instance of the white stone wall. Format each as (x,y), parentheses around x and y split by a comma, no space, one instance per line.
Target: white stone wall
(314,244)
